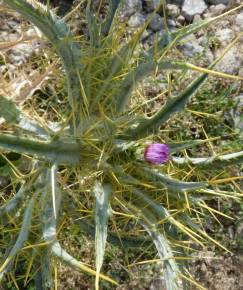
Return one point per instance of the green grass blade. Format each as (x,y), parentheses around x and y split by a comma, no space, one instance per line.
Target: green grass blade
(56,152)
(102,197)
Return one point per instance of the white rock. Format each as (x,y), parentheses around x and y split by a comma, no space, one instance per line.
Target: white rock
(190,46)
(136,20)
(173,10)
(225,36)
(130,7)
(197,18)
(239,20)
(232,61)
(21,53)
(217,9)
(180,19)
(191,8)
(156,23)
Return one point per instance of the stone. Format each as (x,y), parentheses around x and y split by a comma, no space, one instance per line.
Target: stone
(173,10)
(130,7)
(190,47)
(225,36)
(157,23)
(232,61)
(191,8)
(239,21)
(217,9)
(216,2)
(197,18)
(136,20)
(181,19)
(171,23)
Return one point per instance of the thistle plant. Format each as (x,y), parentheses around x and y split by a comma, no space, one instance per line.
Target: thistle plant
(104,156)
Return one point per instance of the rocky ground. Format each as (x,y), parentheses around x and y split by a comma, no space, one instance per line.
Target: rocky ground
(218,271)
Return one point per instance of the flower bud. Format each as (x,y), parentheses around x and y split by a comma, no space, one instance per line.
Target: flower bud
(157,153)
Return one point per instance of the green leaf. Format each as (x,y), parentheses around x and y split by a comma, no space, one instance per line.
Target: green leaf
(170,183)
(9,111)
(177,147)
(172,106)
(22,237)
(56,151)
(102,197)
(171,273)
(149,223)
(93,28)
(136,75)
(59,35)
(211,162)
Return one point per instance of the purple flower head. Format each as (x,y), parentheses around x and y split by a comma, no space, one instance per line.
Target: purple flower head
(157,153)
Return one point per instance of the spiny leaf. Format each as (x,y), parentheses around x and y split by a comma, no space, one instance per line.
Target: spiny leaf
(173,105)
(59,252)
(59,34)
(132,79)
(102,197)
(149,223)
(50,234)
(59,152)
(12,115)
(211,162)
(22,237)
(106,25)
(173,184)
(9,111)
(93,28)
